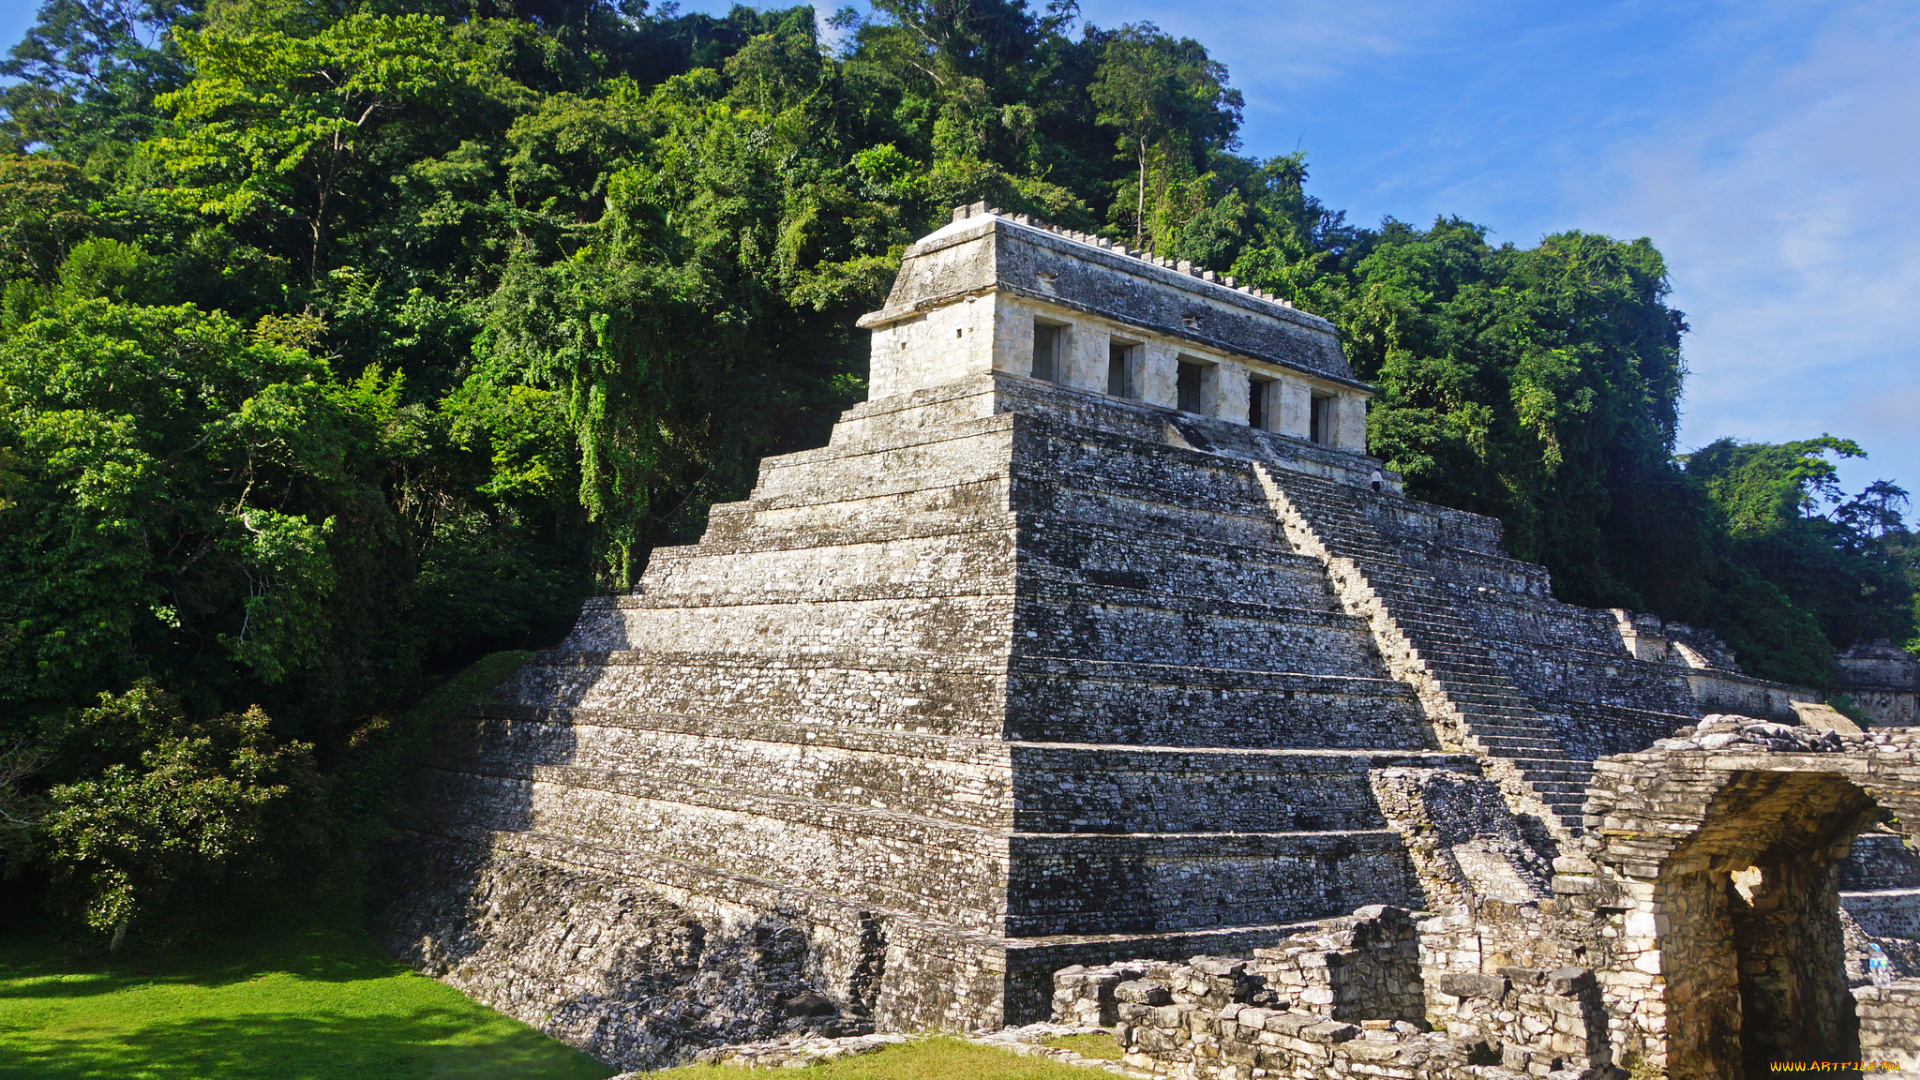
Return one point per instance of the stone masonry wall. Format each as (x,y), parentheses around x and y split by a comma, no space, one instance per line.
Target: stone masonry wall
(1710,870)
(1365,966)
(1890,1025)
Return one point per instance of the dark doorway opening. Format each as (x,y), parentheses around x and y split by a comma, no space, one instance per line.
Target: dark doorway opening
(1321,421)
(1120,369)
(1046,351)
(1187,387)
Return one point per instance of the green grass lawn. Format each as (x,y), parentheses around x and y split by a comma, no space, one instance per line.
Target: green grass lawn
(927,1059)
(326,1004)
(323,1004)
(1101,1047)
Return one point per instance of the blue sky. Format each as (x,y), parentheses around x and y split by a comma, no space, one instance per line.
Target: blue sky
(1771,150)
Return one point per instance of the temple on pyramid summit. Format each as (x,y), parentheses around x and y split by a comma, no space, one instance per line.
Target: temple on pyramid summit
(1093,636)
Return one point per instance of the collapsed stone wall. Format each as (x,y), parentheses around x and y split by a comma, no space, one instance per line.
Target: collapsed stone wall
(1345,999)
(1362,967)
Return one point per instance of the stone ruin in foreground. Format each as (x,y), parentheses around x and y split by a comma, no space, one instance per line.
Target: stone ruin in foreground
(1086,673)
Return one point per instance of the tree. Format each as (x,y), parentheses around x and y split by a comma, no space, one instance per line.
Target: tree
(272,123)
(1842,560)
(1166,96)
(19,810)
(949,40)
(201,803)
(87,72)
(43,213)
(196,502)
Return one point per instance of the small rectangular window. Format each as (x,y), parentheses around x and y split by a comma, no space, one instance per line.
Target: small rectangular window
(1187,387)
(1257,403)
(1046,350)
(1120,369)
(1321,420)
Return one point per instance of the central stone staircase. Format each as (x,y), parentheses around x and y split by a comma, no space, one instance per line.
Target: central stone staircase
(1429,642)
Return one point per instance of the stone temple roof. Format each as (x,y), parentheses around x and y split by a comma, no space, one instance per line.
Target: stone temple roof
(986,250)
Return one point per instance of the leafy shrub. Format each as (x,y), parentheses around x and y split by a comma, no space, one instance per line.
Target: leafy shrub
(218,802)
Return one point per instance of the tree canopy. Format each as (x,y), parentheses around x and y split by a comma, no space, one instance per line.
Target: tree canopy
(342,342)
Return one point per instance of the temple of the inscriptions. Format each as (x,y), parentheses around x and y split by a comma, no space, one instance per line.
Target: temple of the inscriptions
(1094,671)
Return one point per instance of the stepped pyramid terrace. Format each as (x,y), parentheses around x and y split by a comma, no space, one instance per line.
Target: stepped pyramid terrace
(1094,638)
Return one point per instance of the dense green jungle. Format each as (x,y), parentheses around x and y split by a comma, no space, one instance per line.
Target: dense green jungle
(345,343)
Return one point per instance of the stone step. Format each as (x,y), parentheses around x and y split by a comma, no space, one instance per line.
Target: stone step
(1482,697)
(1512,728)
(1554,767)
(1512,746)
(1552,777)
(1558,787)
(1532,773)
(1500,721)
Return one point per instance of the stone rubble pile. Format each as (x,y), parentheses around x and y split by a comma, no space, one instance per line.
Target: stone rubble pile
(1719,731)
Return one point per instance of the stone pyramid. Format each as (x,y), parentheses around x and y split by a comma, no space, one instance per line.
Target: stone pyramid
(1085,638)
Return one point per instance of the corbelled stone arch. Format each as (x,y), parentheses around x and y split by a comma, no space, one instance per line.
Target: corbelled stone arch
(1718,849)
(1753,953)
